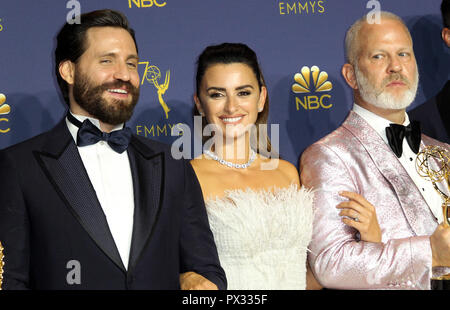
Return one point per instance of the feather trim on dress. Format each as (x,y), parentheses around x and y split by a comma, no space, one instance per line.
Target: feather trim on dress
(262,236)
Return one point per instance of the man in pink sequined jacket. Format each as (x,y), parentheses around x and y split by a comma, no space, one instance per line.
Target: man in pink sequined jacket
(378,224)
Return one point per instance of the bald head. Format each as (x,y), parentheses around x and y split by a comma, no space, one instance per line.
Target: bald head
(356,34)
(381,66)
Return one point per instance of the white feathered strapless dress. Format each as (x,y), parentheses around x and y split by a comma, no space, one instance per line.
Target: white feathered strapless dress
(262,237)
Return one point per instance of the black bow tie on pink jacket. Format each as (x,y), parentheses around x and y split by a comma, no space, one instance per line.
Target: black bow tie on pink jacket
(395,134)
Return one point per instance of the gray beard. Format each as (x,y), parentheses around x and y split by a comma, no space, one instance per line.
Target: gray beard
(384,100)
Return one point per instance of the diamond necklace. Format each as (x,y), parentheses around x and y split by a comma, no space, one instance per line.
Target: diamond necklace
(230,164)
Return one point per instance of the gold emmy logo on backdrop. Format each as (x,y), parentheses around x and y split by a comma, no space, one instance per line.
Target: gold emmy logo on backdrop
(152,74)
(436,174)
(2,263)
(4,110)
(319,83)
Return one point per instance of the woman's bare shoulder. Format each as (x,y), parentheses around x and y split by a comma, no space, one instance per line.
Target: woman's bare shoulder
(199,162)
(289,169)
(283,168)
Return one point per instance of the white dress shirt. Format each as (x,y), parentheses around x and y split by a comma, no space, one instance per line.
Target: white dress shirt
(408,160)
(110,175)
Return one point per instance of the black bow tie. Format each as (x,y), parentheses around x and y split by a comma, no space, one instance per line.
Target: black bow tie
(89,134)
(395,134)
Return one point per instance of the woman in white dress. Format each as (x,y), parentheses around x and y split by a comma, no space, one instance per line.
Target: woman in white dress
(259,214)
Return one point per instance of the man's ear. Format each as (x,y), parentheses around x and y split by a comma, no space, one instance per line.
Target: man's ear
(446,36)
(348,72)
(67,71)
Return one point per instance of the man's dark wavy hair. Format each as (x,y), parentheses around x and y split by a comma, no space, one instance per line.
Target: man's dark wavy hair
(71,39)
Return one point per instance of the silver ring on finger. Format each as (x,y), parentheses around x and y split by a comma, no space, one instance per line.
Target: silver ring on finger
(356,219)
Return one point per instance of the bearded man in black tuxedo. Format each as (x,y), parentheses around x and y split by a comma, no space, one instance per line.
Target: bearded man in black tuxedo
(88,204)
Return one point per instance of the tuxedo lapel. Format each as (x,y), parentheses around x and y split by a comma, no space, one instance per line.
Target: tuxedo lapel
(63,166)
(389,166)
(147,169)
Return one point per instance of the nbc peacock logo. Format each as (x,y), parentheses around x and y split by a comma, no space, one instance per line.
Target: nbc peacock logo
(312,80)
(5,109)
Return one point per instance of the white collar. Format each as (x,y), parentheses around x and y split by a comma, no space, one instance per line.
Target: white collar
(375,121)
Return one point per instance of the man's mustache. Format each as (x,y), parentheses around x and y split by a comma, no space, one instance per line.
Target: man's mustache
(396,77)
(119,84)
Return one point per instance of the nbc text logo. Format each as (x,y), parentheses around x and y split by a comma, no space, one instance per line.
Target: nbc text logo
(4,110)
(312,80)
(146,3)
(152,74)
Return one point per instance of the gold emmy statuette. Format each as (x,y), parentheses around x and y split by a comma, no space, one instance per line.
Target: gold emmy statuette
(440,172)
(2,263)
(436,174)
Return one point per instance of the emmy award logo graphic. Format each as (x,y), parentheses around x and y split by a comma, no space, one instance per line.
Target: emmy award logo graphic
(2,263)
(4,110)
(153,74)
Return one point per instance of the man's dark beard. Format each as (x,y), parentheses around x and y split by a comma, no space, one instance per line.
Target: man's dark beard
(90,99)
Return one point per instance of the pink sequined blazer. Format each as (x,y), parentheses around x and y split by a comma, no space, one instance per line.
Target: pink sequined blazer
(355,158)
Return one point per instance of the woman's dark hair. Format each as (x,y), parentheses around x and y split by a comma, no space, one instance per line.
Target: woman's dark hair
(71,39)
(229,53)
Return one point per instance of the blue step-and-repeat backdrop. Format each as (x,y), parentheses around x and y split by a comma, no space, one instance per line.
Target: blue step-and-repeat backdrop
(287,36)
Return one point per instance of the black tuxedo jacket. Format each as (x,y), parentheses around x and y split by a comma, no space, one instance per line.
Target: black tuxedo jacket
(50,216)
(434,115)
